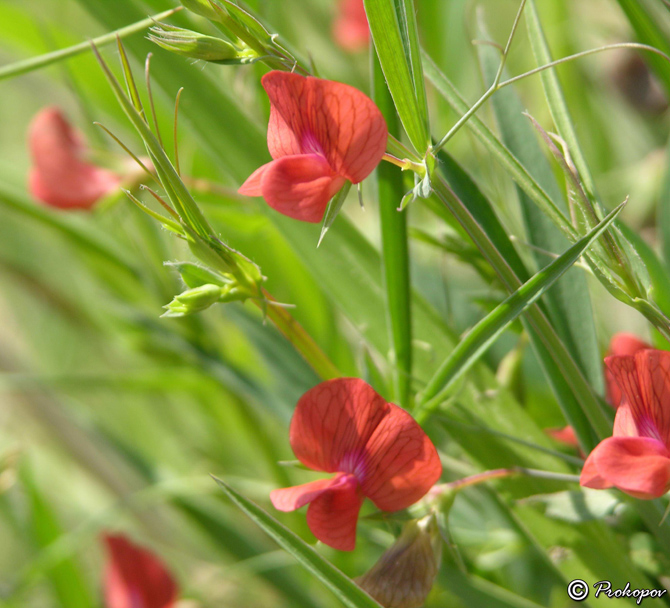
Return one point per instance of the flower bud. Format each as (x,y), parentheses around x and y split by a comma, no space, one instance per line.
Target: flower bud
(405,573)
(195,45)
(194,300)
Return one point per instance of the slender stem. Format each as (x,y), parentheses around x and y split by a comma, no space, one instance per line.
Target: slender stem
(298,337)
(404,163)
(478,478)
(35,63)
(395,250)
(492,89)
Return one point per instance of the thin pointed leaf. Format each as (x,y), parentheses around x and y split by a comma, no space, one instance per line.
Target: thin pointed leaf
(333,210)
(569,303)
(340,584)
(388,24)
(484,333)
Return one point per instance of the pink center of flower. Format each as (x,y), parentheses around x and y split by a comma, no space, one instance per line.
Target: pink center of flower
(646,427)
(311,145)
(353,464)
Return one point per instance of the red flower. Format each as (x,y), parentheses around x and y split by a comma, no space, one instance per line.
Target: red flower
(321,133)
(135,578)
(351,30)
(636,459)
(376,449)
(621,345)
(59,176)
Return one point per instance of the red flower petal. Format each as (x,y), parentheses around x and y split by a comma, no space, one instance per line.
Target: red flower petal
(622,344)
(252,187)
(135,578)
(639,466)
(401,462)
(333,422)
(333,515)
(624,423)
(351,30)
(645,381)
(312,115)
(297,186)
(590,477)
(290,499)
(59,177)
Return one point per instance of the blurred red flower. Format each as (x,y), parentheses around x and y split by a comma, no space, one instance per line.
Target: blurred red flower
(59,176)
(636,459)
(350,29)
(321,134)
(621,344)
(376,449)
(135,577)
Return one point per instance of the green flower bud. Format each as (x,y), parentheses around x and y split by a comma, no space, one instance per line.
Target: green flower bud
(405,573)
(196,45)
(194,300)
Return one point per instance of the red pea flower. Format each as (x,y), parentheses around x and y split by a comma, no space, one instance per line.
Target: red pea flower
(321,134)
(636,459)
(59,176)
(135,577)
(351,30)
(376,449)
(620,345)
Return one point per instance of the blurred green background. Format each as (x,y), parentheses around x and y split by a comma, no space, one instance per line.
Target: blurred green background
(113,418)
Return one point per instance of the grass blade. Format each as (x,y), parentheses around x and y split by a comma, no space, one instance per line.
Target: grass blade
(568,304)
(389,27)
(484,333)
(340,584)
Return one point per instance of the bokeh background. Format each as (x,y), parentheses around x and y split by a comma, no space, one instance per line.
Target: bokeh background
(112,418)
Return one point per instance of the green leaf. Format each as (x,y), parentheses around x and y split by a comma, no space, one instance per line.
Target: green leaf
(333,210)
(482,335)
(340,584)
(395,252)
(390,23)
(577,506)
(569,304)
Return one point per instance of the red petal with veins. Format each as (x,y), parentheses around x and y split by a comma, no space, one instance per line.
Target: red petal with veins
(290,499)
(351,30)
(312,115)
(639,466)
(622,344)
(333,422)
(624,423)
(645,381)
(299,186)
(59,176)
(401,462)
(333,515)
(135,578)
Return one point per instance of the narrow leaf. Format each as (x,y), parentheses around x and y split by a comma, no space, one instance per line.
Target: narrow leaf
(340,584)
(391,39)
(482,335)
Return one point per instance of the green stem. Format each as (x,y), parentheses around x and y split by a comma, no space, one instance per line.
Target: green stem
(35,63)
(298,337)
(395,250)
